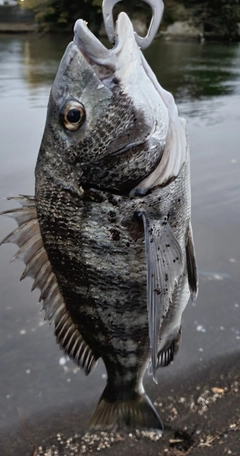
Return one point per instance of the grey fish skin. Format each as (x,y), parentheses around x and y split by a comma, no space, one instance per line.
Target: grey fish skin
(112,251)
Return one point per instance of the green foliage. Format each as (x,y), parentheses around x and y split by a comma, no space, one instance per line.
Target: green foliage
(174,11)
(98,4)
(61,14)
(218,17)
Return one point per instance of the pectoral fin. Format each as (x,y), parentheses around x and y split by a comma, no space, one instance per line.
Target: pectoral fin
(191,264)
(164,266)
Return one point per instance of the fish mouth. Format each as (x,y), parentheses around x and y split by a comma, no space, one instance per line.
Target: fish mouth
(106,62)
(101,59)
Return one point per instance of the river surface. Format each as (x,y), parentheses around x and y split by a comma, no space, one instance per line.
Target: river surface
(37,381)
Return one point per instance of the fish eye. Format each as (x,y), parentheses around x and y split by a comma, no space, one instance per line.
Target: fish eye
(72,115)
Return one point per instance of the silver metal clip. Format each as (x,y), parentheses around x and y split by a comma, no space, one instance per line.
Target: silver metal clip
(143,42)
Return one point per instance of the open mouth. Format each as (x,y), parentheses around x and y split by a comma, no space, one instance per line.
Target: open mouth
(102,60)
(90,46)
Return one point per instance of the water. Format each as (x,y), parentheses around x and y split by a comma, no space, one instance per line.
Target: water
(40,388)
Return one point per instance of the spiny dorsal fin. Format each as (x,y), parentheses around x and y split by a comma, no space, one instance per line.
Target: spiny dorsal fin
(164,267)
(31,250)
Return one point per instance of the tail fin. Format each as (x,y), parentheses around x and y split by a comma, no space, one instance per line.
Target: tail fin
(136,413)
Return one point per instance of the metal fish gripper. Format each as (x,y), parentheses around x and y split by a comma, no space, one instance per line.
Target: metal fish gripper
(143,42)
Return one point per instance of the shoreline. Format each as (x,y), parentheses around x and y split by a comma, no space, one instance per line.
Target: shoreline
(12,28)
(21,29)
(16,20)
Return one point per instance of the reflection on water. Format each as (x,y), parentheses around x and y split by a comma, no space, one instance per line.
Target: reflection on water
(188,70)
(193,71)
(42,57)
(205,79)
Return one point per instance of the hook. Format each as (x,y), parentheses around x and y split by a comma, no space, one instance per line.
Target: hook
(143,42)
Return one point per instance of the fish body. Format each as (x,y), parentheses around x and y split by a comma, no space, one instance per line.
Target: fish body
(107,237)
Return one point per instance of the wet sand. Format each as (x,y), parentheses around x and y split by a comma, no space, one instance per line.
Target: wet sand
(201,415)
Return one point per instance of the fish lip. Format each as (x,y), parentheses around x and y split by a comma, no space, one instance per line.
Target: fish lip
(93,51)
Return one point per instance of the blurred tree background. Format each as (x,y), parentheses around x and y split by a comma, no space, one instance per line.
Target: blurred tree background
(218,18)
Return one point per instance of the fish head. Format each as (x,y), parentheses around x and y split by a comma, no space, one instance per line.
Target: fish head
(107,123)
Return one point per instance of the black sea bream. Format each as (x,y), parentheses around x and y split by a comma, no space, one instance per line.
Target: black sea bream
(107,237)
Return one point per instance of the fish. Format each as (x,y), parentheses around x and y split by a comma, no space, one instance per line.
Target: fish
(107,237)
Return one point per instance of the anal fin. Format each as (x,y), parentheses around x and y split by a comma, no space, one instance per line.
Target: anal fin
(168,353)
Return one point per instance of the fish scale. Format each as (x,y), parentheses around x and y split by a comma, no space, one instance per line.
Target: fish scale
(96,239)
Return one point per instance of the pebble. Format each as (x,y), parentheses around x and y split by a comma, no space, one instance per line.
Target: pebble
(90,442)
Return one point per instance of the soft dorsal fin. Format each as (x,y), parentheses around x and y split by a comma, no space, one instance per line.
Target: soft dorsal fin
(164,267)
(166,356)
(168,353)
(31,250)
